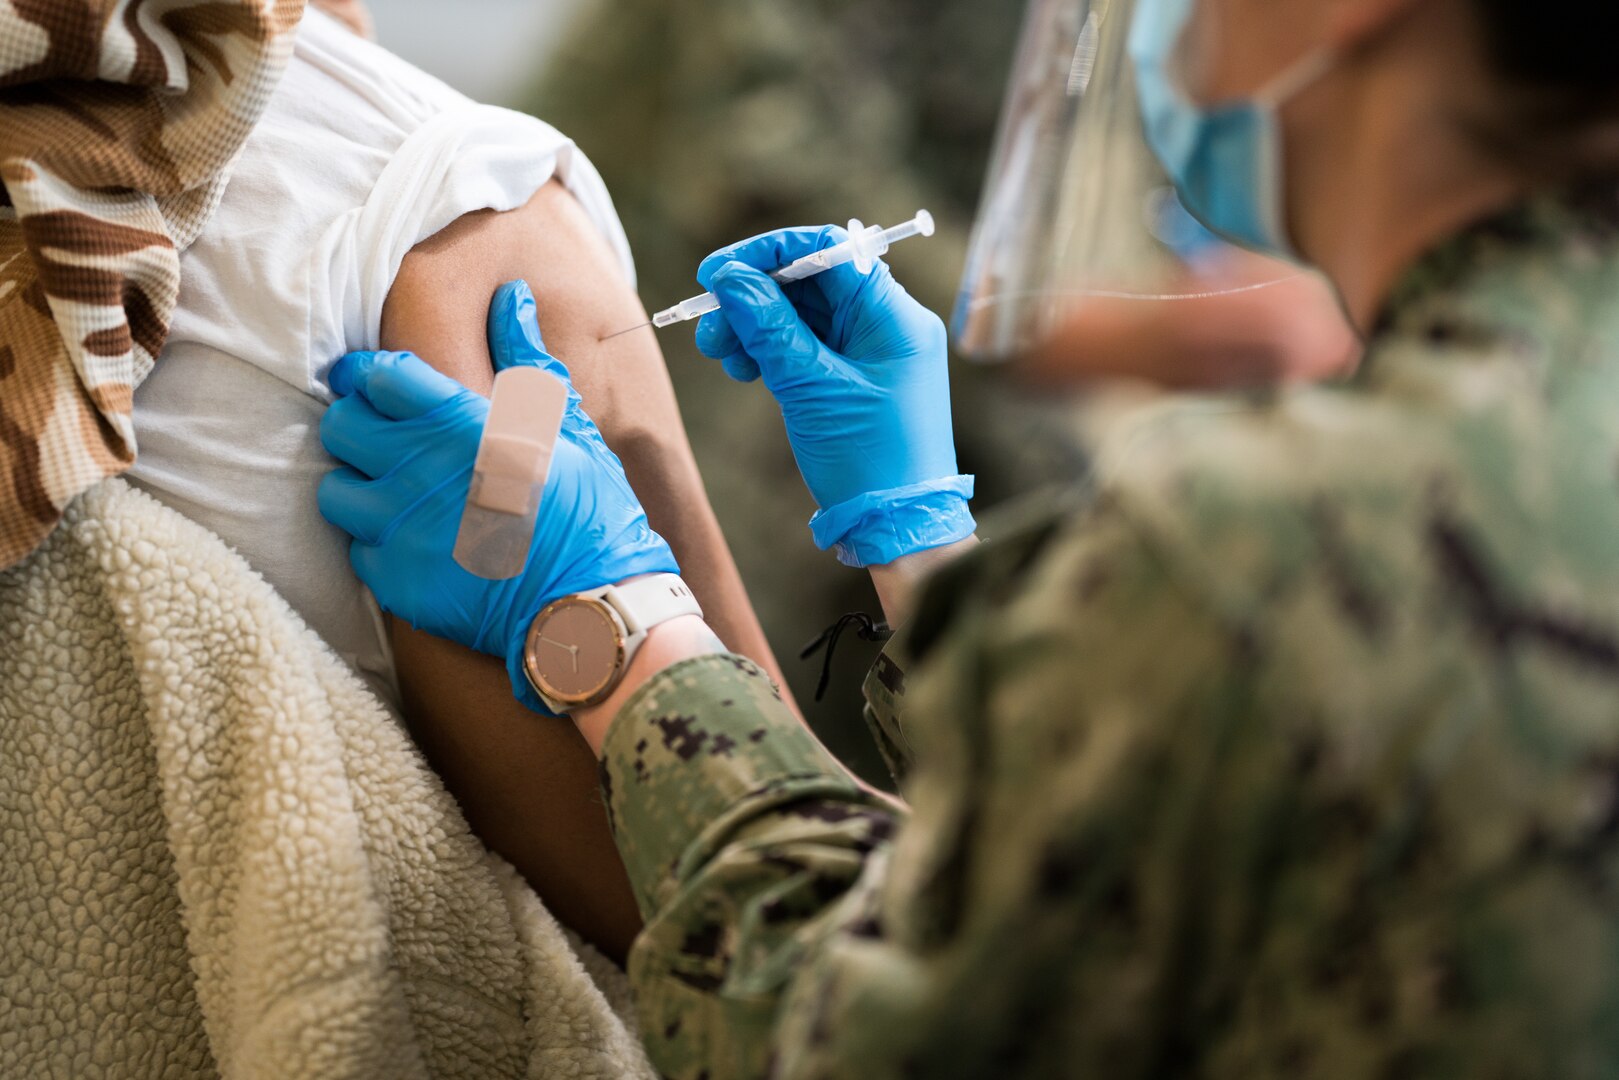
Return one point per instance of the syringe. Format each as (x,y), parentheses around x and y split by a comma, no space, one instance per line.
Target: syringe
(863,248)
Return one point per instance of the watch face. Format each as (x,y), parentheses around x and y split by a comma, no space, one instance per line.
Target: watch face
(575,650)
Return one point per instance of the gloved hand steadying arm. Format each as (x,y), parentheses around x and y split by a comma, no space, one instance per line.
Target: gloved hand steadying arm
(860,370)
(410,438)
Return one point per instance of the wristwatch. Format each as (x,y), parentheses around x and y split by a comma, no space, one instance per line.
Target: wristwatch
(579,647)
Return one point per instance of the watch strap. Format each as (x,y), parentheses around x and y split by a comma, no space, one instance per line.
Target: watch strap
(650,601)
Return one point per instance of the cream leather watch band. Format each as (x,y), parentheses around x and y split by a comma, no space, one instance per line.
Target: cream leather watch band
(645,603)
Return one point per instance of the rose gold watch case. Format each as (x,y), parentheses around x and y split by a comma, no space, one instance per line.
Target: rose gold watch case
(536,672)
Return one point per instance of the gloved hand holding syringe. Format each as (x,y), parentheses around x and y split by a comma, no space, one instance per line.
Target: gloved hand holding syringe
(863,248)
(528,407)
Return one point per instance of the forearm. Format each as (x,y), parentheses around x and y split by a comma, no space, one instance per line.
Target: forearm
(897,582)
(1288,329)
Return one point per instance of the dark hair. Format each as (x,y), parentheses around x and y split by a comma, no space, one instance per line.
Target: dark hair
(1559,118)
(1557,50)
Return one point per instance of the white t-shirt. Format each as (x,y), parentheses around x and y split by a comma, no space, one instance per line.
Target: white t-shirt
(359,158)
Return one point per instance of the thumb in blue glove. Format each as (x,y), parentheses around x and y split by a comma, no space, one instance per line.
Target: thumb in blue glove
(409,436)
(861,372)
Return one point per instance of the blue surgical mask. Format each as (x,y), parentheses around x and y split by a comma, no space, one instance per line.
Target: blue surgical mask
(1225,160)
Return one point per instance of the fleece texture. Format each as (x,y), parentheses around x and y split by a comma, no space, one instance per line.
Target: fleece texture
(222,856)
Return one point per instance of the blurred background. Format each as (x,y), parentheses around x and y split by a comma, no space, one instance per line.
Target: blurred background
(713,120)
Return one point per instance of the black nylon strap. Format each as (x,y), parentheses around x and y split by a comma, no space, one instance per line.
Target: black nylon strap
(868,630)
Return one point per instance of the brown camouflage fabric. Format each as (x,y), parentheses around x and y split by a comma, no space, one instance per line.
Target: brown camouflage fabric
(118,121)
(1294,755)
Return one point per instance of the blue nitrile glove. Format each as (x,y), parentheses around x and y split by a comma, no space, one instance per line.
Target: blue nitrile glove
(410,436)
(861,373)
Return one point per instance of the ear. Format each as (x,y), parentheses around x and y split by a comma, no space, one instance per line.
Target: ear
(1352,23)
(353,13)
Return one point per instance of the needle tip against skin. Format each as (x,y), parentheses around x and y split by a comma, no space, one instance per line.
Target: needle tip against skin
(631,330)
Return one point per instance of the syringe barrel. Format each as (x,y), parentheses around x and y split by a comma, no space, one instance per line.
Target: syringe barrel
(863,248)
(698,306)
(687,310)
(817,263)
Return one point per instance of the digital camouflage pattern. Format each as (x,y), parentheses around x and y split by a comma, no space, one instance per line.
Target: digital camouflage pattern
(118,119)
(1293,754)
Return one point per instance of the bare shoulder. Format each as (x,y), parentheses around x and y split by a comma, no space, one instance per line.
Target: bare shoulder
(441,296)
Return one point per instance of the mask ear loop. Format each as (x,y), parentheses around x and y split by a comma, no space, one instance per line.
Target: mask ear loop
(1268,102)
(1298,77)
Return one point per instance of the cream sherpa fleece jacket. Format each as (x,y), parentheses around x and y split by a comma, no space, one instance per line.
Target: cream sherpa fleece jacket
(221,856)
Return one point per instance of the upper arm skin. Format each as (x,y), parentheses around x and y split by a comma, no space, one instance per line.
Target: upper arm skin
(528,784)
(439,307)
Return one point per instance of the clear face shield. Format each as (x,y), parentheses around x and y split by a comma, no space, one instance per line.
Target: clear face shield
(1076,207)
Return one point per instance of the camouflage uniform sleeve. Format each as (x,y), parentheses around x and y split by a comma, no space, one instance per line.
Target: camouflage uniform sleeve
(793,932)
(885,699)
(745,841)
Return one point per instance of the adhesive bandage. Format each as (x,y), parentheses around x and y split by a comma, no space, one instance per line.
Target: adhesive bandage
(514,459)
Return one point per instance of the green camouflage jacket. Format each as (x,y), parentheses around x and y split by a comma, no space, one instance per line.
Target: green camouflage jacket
(1293,754)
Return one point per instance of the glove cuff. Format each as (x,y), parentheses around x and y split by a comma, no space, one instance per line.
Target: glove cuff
(876,528)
